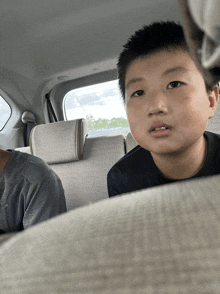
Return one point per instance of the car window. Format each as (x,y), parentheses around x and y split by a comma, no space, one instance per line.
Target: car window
(101,105)
(5,112)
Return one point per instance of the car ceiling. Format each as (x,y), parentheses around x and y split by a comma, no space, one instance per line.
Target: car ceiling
(46,42)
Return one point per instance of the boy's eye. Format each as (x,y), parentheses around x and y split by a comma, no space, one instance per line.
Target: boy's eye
(174,84)
(138,93)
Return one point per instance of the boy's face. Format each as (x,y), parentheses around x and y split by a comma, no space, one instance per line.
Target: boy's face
(166,90)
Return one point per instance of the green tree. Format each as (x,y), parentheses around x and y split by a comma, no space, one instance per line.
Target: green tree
(103,123)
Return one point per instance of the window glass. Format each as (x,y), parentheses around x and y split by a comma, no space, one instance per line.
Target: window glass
(5,112)
(102,107)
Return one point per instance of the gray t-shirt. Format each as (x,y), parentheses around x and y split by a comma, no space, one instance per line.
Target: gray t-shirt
(30,192)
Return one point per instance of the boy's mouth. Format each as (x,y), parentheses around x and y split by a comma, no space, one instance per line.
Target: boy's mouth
(161,128)
(159,125)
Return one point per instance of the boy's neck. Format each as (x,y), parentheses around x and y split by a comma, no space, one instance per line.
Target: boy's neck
(184,165)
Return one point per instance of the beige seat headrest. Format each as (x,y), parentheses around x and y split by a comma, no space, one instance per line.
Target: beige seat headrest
(60,141)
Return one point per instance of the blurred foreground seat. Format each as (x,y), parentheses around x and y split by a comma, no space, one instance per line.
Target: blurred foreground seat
(160,240)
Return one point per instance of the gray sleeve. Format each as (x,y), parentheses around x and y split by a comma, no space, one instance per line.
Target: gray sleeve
(44,200)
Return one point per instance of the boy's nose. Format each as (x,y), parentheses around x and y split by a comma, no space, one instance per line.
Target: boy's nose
(158,104)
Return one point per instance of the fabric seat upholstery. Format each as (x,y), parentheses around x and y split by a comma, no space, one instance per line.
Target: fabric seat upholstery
(81,163)
(85,181)
(130,142)
(160,240)
(26,149)
(60,141)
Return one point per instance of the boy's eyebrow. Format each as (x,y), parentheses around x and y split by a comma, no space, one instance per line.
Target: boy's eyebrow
(173,69)
(132,81)
(169,70)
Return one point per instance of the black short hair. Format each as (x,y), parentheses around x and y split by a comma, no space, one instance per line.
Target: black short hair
(152,38)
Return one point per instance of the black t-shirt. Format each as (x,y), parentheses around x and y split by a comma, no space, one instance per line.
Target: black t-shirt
(137,170)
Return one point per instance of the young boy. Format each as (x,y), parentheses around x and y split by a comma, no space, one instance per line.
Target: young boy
(30,191)
(168,106)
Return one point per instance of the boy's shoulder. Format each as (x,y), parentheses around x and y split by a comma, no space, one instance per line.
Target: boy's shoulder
(213,138)
(132,160)
(134,153)
(212,163)
(208,133)
(135,158)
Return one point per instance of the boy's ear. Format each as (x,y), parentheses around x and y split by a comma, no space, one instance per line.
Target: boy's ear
(213,99)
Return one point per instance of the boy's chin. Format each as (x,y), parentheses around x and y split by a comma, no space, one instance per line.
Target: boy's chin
(164,150)
(166,147)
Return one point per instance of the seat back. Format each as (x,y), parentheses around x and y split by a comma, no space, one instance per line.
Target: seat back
(81,163)
(26,149)
(85,181)
(130,142)
(214,123)
(160,240)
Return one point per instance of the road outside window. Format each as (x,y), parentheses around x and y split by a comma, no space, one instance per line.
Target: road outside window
(5,112)
(102,107)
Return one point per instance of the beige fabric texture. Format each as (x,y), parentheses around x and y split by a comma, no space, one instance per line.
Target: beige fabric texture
(195,37)
(206,15)
(159,240)
(5,237)
(24,149)
(85,181)
(130,142)
(60,141)
(214,123)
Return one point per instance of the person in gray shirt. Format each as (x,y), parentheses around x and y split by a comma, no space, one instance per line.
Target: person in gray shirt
(30,191)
